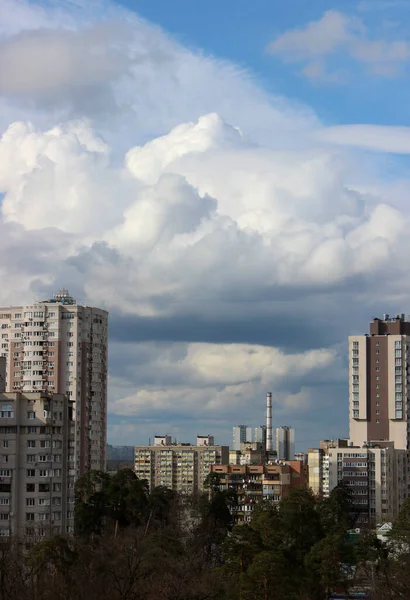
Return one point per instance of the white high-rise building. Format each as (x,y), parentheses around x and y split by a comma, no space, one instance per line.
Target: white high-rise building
(59,346)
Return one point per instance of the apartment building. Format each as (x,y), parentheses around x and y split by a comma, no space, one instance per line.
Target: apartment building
(243,434)
(180,467)
(379,379)
(60,346)
(37,464)
(318,466)
(257,483)
(2,374)
(285,443)
(376,473)
(377,476)
(250,453)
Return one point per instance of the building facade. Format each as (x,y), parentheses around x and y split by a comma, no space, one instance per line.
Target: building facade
(37,464)
(243,434)
(251,453)
(285,443)
(257,483)
(376,473)
(318,466)
(179,467)
(3,365)
(379,380)
(377,477)
(59,346)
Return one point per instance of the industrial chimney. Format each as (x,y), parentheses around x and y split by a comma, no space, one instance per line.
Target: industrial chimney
(269,445)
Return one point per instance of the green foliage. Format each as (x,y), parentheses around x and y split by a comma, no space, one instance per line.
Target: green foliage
(401,527)
(104,501)
(133,544)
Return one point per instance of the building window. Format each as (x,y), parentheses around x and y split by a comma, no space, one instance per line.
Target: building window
(377,420)
(377,403)
(30,487)
(399,414)
(397,344)
(29,516)
(377,368)
(30,473)
(377,378)
(30,501)
(377,412)
(31,414)
(6,411)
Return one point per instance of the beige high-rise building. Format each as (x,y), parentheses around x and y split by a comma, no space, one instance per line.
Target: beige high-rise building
(379,387)
(37,464)
(179,467)
(60,346)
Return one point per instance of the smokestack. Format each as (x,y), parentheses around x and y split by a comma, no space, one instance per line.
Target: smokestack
(269,445)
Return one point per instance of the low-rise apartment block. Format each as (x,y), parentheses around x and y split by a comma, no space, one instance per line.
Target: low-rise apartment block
(256,483)
(180,467)
(37,464)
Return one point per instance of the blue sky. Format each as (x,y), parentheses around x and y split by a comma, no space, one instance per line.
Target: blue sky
(241,31)
(229,179)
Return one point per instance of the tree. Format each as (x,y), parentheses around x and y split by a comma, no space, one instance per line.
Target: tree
(104,501)
(337,511)
(329,565)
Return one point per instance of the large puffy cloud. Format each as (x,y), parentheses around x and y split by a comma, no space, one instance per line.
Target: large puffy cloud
(202,212)
(98,60)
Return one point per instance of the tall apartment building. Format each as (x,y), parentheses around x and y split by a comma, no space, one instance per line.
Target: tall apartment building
(180,467)
(60,346)
(285,443)
(37,464)
(379,387)
(245,434)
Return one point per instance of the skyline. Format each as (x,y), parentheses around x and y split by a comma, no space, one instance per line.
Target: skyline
(233,206)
